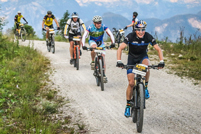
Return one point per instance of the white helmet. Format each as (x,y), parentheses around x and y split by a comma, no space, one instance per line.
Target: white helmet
(97,18)
(74,15)
(19,12)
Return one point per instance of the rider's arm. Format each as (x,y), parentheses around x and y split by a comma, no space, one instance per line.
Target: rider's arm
(110,34)
(119,51)
(56,22)
(24,19)
(66,29)
(15,19)
(86,33)
(131,24)
(43,24)
(83,25)
(160,53)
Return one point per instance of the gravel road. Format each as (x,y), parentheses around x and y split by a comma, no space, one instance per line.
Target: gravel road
(174,105)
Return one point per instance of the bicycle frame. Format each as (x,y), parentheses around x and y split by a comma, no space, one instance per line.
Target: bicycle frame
(74,52)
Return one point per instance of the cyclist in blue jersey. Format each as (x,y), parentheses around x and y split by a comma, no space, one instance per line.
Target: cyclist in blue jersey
(96,33)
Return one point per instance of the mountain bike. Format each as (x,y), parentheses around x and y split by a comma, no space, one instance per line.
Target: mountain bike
(76,52)
(119,35)
(21,33)
(51,43)
(99,71)
(138,97)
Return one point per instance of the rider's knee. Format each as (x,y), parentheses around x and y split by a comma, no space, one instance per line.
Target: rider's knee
(131,83)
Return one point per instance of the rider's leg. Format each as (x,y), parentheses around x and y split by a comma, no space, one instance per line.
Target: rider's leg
(131,85)
(47,33)
(146,62)
(93,54)
(129,92)
(71,49)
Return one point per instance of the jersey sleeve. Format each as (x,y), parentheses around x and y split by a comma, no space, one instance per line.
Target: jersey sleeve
(133,21)
(15,18)
(81,22)
(105,27)
(88,29)
(68,22)
(127,39)
(151,39)
(45,17)
(53,17)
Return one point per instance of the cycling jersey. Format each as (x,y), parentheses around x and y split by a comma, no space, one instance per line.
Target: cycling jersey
(18,18)
(97,34)
(133,22)
(74,26)
(48,21)
(138,46)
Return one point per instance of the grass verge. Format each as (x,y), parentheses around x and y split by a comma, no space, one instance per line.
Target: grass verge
(26,104)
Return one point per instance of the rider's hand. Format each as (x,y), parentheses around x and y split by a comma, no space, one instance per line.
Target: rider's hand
(161,64)
(84,48)
(120,64)
(125,27)
(43,29)
(58,28)
(112,45)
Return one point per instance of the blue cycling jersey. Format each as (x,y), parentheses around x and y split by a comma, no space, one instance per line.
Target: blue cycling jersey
(96,34)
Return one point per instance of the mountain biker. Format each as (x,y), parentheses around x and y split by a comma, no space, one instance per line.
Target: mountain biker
(135,14)
(96,33)
(17,20)
(74,25)
(48,23)
(138,42)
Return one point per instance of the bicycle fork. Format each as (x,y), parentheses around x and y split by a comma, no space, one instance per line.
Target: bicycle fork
(75,51)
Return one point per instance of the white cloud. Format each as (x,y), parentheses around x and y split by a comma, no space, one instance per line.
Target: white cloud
(185,1)
(160,29)
(195,23)
(144,1)
(4,0)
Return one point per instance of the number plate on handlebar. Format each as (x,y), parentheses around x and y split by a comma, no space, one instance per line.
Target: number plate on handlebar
(121,31)
(76,38)
(51,31)
(140,69)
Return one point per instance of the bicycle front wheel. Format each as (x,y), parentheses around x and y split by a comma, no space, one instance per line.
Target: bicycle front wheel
(96,72)
(101,74)
(23,34)
(53,45)
(140,110)
(77,58)
(134,110)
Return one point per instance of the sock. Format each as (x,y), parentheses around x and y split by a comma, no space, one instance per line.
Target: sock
(128,103)
(46,39)
(146,84)
(93,62)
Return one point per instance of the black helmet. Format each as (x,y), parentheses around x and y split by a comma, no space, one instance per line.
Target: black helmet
(135,14)
(49,12)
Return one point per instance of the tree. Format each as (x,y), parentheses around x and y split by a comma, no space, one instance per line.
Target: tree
(30,31)
(63,21)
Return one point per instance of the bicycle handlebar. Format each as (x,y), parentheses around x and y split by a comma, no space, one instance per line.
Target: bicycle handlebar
(134,66)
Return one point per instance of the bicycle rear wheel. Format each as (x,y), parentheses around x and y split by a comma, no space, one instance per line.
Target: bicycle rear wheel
(77,58)
(101,75)
(23,34)
(53,45)
(140,110)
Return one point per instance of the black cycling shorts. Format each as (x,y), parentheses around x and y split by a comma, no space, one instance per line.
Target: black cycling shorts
(51,26)
(17,25)
(71,36)
(132,60)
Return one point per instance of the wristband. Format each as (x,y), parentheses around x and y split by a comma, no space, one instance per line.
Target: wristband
(161,61)
(118,60)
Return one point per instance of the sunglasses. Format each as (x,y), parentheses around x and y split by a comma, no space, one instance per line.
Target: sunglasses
(142,30)
(98,22)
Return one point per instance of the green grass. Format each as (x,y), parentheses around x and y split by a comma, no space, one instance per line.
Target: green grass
(185,59)
(26,103)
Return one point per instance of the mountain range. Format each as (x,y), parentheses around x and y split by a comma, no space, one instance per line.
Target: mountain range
(162,16)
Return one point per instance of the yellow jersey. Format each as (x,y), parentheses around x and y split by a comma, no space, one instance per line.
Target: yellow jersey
(48,20)
(18,18)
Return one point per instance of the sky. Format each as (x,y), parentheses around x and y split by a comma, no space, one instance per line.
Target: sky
(81,2)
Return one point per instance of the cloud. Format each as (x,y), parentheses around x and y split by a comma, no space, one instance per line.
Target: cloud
(161,28)
(145,1)
(185,1)
(4,0)
(195,23)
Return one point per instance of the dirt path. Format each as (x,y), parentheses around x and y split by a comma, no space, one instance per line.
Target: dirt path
(174,106)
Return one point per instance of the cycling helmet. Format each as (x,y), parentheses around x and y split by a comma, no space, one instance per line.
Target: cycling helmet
(19,12)
(135,14)
(97,18)
(140,24)
(74,15)
(49,12)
